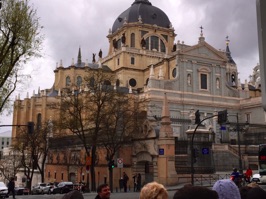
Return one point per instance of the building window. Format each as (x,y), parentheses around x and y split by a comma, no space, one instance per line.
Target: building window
(79,81)
(68,81)
(203,81)
(132,82)
(55,175)
(118,61)
(119,43)
(132,61)
(174,73)
(62,176)
(117,83)
(233,79)
(155,43)
(39,121)
(132,40)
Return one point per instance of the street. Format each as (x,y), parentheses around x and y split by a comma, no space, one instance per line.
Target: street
(119,195)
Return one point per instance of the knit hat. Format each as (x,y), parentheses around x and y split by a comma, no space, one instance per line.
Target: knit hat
(73,195)
(226,189)
(255,193)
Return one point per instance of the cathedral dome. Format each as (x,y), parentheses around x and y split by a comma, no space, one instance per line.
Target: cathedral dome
(142,9)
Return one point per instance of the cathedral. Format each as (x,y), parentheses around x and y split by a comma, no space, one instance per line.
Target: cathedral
(177,80)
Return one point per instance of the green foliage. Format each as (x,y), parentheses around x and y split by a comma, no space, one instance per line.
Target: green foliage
(20,40)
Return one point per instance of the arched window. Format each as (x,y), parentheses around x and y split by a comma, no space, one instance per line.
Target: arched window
(68,81)
(119,43)
(155,43)
(174,73)
(117,83)
(233,79)
(79,81)
(132,40)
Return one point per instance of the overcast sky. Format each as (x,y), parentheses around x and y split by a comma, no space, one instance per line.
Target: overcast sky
(70,24)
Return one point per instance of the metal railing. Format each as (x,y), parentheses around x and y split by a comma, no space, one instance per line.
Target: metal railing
(208,180)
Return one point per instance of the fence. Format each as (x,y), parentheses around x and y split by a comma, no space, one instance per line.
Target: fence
(207,180)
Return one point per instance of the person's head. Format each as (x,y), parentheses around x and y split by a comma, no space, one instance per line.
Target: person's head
(73,195)
(153,190)
(226,189)
(255,193)
(103,191)
(195,192)
(244,191)
(235,169)
(253,185)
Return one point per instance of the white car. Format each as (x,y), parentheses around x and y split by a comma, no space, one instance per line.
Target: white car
(3,190)
(258,178)
(255,178)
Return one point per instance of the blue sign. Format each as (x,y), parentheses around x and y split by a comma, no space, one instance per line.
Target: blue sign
(223,128)
(205,151)
(161,151)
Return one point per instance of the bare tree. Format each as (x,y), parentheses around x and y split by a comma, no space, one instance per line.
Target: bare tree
(20,40)
(33,149)
(100,115)
(10,164)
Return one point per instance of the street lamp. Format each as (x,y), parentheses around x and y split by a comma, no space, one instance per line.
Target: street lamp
(238,129)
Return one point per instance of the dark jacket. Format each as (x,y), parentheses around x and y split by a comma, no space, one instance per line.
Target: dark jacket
(97,197)
(73,195)
(11,185)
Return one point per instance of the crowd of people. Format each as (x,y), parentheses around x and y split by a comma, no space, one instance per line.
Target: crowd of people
(222,189)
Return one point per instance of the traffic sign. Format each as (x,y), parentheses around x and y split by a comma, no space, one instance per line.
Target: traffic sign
(120,163)
(161,151)
(205,151)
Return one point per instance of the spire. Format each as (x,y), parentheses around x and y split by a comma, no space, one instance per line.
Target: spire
(79,57)
(228,53)
(166,128)
(201,38)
